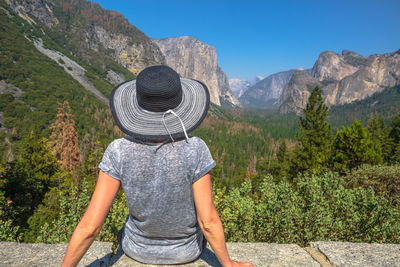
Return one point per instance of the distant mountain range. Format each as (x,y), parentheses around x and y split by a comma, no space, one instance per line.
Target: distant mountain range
(267,92)
(99,48)
(239,86)
(343,78)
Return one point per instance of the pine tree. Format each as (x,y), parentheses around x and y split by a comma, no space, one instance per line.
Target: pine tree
(65,139)
(8,232)
(282,152)
(354,146)
(92,154)
(312,150)
(29,176)
(394,134)
(251,167)
(279,166)
(380,135)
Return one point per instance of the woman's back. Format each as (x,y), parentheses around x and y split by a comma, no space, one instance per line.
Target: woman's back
(157,181)
(167,186)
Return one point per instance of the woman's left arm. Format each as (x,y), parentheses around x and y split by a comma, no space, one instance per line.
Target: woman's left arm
(91,223)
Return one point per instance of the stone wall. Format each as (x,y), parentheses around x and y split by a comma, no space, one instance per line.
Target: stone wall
(260,254)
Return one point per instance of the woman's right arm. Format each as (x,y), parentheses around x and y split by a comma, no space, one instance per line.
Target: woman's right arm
(210,222)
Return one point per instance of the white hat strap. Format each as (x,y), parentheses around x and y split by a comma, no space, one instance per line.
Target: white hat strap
(183,126)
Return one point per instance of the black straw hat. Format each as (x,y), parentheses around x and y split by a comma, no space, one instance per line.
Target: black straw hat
(159,104)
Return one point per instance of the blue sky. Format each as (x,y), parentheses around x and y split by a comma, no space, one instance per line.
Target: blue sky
(255,37)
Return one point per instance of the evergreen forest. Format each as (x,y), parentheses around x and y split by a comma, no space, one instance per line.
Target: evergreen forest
(320,185)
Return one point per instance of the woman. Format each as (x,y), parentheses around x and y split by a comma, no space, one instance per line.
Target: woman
(163,172)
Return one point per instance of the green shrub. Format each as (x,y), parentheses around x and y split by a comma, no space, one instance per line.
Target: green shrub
(354,146)
(115,220)
(73,204)
(333,212)
(8,232)
(237,212)
(318,208)
(315,208)
(383,179)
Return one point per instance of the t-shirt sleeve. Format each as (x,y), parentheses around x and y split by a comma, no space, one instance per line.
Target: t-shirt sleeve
(110,163)
(205,161)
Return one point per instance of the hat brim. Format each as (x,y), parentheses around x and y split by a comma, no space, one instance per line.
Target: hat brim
(148,125)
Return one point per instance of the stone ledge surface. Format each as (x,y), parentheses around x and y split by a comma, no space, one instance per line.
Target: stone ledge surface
(359,254)
(261,254)
(99,254)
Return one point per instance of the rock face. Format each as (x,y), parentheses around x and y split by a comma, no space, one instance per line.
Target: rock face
(332,67)
(90,29)
(267,92)
(9,88)
(131,55)
(296,92)
(342,78)
(41,10)
(115,78)
(194,59)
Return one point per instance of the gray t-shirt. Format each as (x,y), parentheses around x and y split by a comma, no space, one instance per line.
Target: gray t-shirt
(161,227)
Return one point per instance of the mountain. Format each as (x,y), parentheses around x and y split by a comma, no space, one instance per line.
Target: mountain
(266,93)
(194,59)
(115,49)
(46,59)
(239,86)
(343,79)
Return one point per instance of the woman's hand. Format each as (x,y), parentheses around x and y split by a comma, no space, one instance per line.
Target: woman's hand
(241,264)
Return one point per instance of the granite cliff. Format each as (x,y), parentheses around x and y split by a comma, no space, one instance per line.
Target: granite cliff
(343,79)
(296,92)
(333,67)
(194,59)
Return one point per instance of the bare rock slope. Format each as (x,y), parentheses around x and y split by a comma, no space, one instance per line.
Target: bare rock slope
(72,68)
